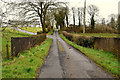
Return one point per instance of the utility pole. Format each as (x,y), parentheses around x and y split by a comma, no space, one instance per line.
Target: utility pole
(84,17)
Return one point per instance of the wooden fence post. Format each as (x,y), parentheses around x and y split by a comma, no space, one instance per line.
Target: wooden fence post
(7,51)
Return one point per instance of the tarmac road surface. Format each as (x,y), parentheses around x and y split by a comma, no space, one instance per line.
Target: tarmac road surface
(64,61)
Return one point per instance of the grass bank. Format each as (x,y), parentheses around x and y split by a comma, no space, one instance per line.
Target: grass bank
(98,34)
(27,63)
(105,60)
(6,38)
(32,29)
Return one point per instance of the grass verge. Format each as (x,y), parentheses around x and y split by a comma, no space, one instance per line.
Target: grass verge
(98,34)
(105,60)
(27,63)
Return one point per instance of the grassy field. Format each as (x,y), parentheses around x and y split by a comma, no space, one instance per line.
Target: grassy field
(50,32)
(32,29)
(27,64)
(6,38)
(35,29)
(98,34)
(106,60)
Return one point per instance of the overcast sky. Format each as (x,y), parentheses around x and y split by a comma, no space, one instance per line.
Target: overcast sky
(106,7)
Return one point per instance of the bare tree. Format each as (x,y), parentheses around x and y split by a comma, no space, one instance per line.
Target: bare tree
(60,17)
(92,11)
(79,19)
(66,15)
(80,15)
(36,10)
(51,17)
(4,12)
(103,21)
(112,16)
(73,10)
(113,21)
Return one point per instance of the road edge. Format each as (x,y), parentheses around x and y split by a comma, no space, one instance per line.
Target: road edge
(94,62)
(38,71)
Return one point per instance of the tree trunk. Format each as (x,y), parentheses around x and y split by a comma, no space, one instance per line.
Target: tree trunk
(67,19)
(74,20)
(79,22)
(44,25)
(92,22)
(79,17)
(41,17)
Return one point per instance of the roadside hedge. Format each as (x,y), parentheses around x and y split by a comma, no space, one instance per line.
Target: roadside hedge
(84,41)
(107,44)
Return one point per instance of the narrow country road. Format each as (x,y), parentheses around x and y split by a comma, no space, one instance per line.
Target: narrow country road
(64,61)
(18,29)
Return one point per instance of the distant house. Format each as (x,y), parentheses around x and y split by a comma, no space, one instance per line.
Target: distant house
(4,24)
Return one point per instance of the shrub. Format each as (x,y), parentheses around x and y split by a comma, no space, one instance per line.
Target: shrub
(101,29)
(73,29)
(39,32)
